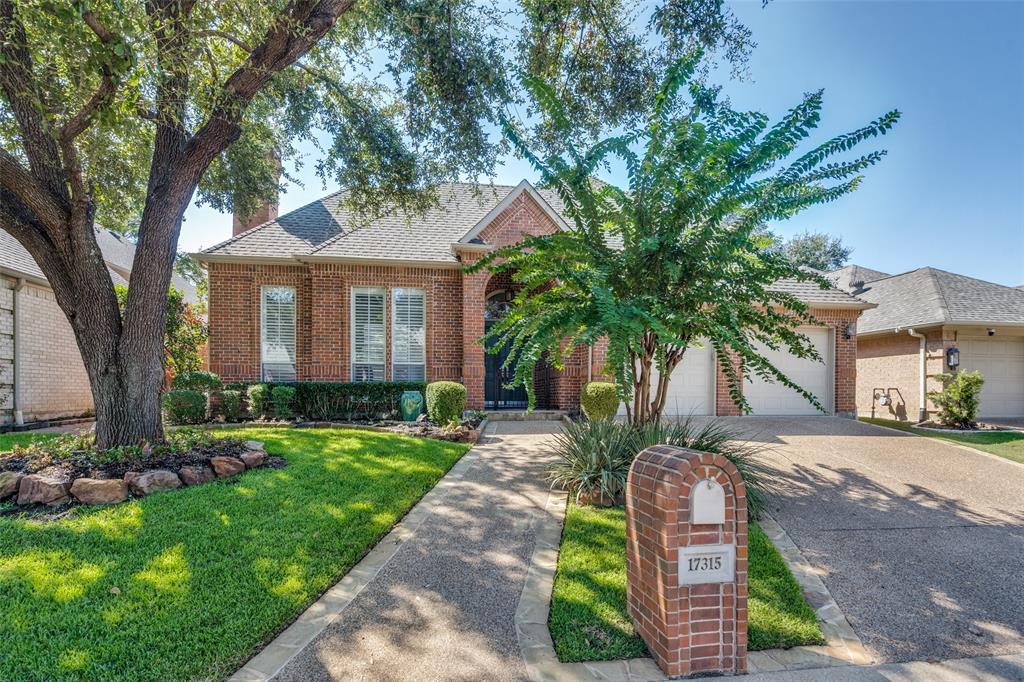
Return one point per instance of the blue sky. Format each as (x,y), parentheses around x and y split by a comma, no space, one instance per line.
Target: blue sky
(950,194)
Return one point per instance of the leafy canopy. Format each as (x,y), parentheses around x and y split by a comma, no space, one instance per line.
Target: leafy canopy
(397,96)
(674,260)
(817,250)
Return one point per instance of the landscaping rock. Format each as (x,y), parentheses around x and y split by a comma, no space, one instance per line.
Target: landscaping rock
(254,458)
(152,481)
(196,474)
(9,481)
(99,490)
(227,466)
(254,445)
(42,489)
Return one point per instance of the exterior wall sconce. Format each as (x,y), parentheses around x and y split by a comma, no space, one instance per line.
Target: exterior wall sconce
(850,331)
(953,357)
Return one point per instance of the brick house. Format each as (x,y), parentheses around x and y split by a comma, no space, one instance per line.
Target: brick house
(306,296)
(41,372)
(919,317)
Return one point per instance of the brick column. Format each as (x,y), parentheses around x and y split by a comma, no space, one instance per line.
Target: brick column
(690,624)
(724,406)
(474,287)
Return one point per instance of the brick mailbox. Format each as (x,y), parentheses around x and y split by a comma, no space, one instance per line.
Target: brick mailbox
(686,534)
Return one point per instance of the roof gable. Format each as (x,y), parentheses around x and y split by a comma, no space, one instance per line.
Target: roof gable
(524,187)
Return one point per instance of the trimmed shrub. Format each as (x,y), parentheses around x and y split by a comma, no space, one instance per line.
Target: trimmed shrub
(445,401)
(230,405)
(960,399)
(256,397)
(599,400)
(346,400)
(282,397)
(199,380)
(594,457)
(184,407)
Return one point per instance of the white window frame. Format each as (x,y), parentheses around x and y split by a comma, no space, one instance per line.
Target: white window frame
(352,334)
(263,328)
(394,333)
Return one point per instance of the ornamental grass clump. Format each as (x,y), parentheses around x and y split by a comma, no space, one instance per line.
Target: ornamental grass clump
(594,457)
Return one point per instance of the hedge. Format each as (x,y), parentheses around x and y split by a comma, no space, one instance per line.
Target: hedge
(344,400)
(599,400)
(184,407)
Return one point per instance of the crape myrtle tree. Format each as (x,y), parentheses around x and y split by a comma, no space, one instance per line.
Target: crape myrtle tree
(120,112)
(676,259)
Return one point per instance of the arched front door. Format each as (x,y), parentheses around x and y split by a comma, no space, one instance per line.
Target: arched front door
(496,395)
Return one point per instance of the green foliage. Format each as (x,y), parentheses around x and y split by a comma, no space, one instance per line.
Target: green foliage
(185,331)
(198,380)
(349,400)
(446,401)
(256,398)
(184,406)
(599,400)
(673,259)
(594,457)
(282,398)
(959,399)
(817,250)
(231,405)
(190,604)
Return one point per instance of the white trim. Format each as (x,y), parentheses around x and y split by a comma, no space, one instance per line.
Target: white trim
(352,327)
(394,327)
(295,324)
(523,186)
(394,262)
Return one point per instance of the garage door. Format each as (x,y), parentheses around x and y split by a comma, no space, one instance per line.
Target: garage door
(768,398)
(1001,363)
(691,390)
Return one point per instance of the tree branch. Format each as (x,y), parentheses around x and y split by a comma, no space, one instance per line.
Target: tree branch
(20,183)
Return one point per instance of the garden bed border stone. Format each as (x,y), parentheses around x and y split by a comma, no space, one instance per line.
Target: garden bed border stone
(842,648)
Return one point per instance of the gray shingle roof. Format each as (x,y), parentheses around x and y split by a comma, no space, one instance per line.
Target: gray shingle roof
(117,251)
(852,277)
(327,228)
(928,296)
(811,292)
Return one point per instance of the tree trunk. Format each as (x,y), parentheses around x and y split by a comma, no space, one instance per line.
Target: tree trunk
(127,399)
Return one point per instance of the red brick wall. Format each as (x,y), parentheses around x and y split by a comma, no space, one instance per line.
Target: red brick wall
(324,294)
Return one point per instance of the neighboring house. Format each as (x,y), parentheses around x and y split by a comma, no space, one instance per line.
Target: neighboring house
(308,297)
(905,341)
(41,372)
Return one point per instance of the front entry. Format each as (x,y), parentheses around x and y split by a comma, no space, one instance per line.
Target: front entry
(496,395)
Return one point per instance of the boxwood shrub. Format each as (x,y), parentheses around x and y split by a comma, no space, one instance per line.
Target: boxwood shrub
(341,400)
(599,400)
(445,401)
(184,407)
(256,397)
(282,398)
(198,380)
(231,405)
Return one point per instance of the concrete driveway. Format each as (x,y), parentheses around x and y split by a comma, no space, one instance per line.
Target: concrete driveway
(920,542)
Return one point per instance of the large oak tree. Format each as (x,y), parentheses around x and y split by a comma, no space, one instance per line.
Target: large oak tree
(118,112)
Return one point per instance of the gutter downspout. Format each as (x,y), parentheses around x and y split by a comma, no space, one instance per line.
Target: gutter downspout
(590,363)
(922,412)
(19,417)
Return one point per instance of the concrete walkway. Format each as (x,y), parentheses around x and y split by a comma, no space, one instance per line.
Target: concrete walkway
(441,608)
(921,543)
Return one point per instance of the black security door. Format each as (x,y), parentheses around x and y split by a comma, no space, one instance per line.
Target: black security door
(496,396)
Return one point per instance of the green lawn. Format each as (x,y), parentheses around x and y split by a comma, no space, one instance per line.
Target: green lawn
(188,584)
(1007,444)
(9,440)
(589,621)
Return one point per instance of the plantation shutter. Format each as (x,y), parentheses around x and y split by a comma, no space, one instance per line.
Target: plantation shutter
(408,333)
(277,334)
(368,334)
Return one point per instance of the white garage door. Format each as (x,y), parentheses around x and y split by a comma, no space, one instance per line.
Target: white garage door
(768,398)
(1001,363)
(691,390)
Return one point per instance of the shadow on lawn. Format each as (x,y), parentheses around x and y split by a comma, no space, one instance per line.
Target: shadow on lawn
(187,584)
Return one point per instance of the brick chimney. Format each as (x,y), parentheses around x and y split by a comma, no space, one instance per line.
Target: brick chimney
(263,214)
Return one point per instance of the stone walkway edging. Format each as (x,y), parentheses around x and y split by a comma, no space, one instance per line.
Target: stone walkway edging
(325,610)
(843,647)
